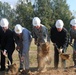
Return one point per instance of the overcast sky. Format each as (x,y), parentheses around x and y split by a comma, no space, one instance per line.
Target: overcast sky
(71,3)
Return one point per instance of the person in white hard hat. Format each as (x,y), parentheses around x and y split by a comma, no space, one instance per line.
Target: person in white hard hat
(58,35)
(73,36)
(40,34)
(23,41)
(7,43)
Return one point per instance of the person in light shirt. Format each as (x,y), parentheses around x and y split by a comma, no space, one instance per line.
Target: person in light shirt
(23,41)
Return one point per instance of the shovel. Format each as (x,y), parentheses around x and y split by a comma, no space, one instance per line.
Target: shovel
(64,56)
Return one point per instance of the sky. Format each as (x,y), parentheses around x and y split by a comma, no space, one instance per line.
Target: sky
(71,3)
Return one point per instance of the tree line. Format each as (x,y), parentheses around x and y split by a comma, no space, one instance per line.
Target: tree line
(47,10)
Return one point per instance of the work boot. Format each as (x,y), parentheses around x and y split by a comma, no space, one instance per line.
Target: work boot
(20,69)
(25,71)
(74,63)
(63,63)
(55,66)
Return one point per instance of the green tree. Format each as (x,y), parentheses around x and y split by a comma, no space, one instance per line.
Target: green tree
(51,10)
(7,12)
(61,11)
(43,11)
(0,9)
(24,13)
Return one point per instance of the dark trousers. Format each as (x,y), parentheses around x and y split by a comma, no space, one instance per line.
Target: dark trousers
(2,61)
(74,57)
(10,56)
(56,57)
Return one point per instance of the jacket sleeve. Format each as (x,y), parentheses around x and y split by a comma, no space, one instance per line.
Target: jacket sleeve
(45,34)
(70,38)
(16,38)
(52,36)
(65,44)
(34,35)
(10,42)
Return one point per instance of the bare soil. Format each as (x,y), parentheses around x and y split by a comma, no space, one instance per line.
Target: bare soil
(70,70)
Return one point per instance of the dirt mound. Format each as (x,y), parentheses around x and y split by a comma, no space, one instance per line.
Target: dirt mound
(68,71)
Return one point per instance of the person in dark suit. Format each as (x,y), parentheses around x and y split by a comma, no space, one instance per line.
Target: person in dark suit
(7,42)
(59,38)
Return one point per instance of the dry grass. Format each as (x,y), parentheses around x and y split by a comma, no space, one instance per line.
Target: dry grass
(33,62)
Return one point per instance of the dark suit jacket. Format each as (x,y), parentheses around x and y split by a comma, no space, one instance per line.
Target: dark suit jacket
(60,38)
(6,40)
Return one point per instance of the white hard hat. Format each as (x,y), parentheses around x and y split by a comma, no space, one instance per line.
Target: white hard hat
(18,28)
(36,21)
(59,24)
(73,22)
(4,22)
